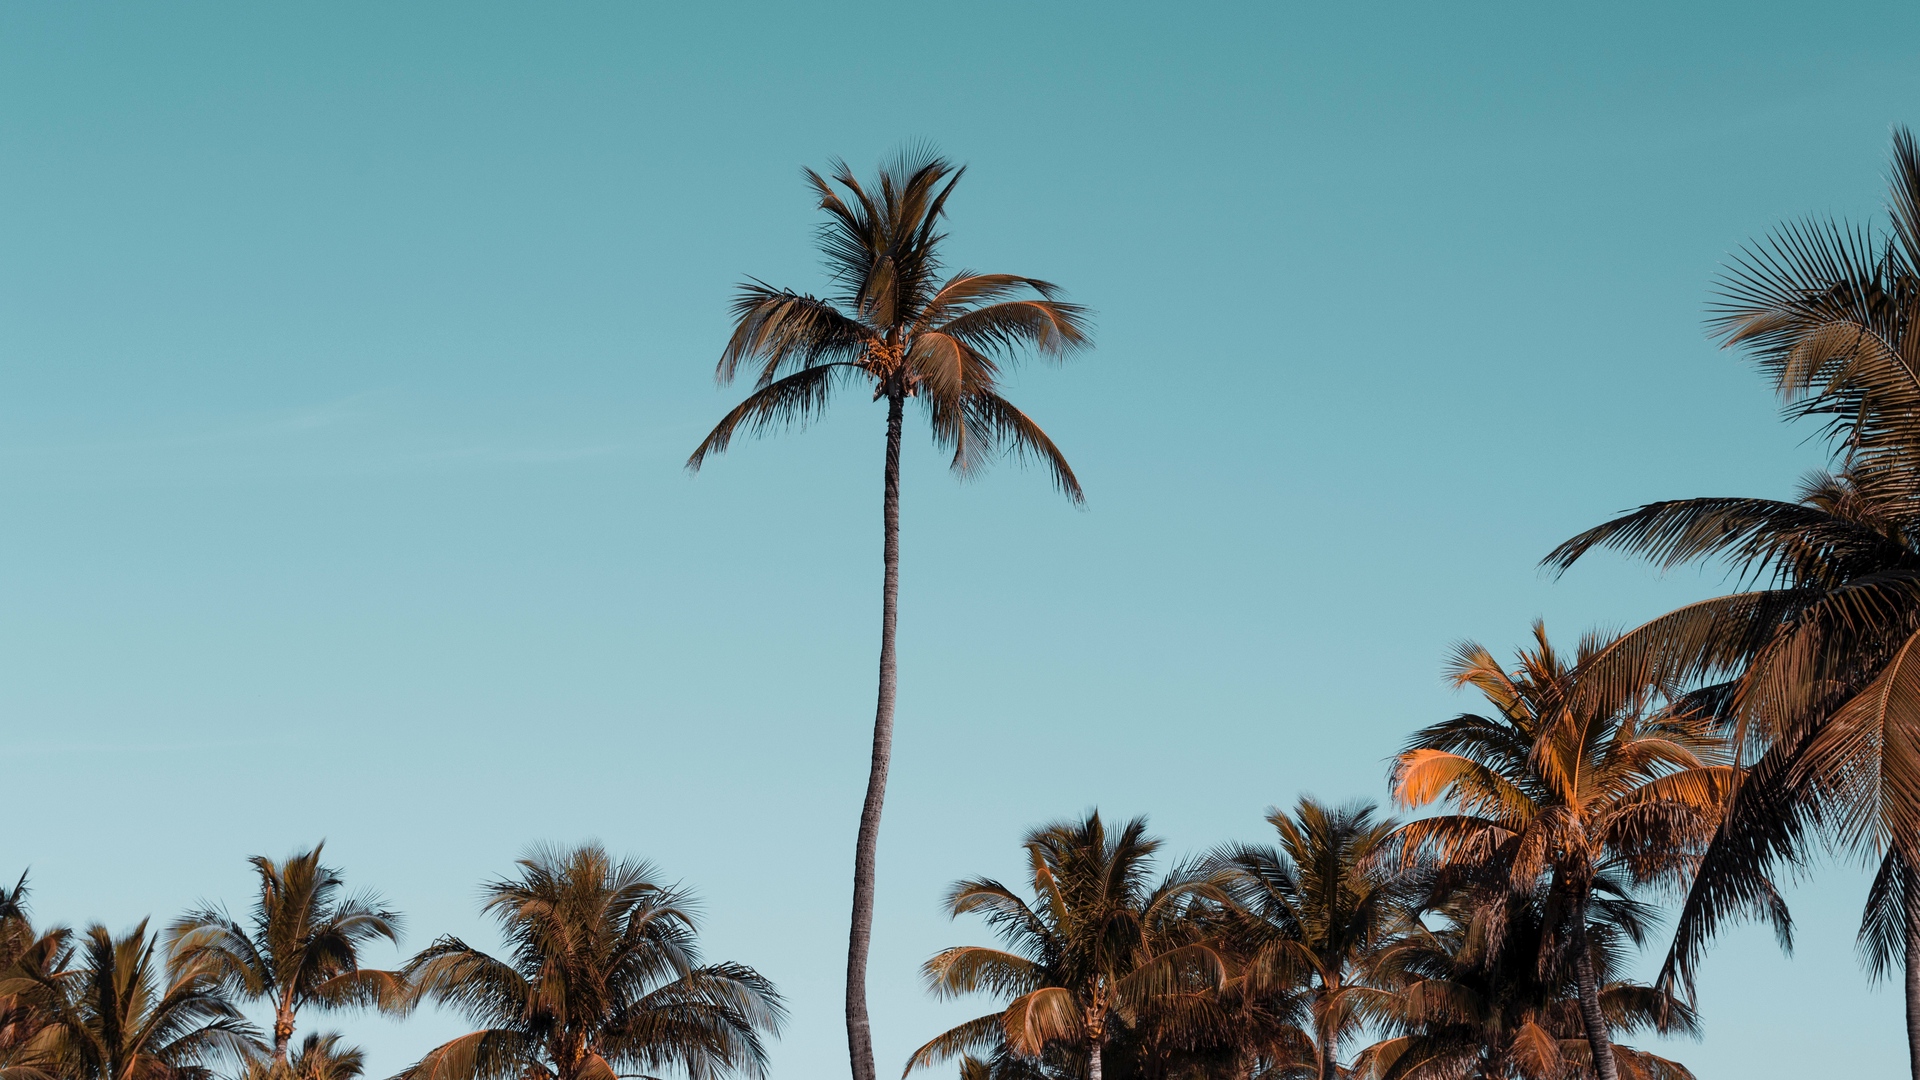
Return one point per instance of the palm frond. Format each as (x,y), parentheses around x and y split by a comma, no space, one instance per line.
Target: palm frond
(795,399)
(981,1034)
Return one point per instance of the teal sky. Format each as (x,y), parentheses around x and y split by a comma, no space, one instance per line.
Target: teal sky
(348,357)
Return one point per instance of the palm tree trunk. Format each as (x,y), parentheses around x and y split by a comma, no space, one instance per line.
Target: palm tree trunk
(859,1028)
(1095,1061)
(1599,1040)
(282,1034)
(1912,899)
(1329,1055)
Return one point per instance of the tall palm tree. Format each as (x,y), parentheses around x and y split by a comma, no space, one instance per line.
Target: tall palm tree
(602,978)
(1558,788)
(1815,660)
(300,947)
(116,1015)
(1322,904)
(1465,1007)
(893,324)
(1101,945)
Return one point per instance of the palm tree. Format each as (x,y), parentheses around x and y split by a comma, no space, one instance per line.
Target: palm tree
(31,962)
(1321,904)
(1099,948)
(1558,788)
(1815,661)
(118,1016)
(301,947)
(1464,1007)
(602,978)
(320,1057)
(894,325)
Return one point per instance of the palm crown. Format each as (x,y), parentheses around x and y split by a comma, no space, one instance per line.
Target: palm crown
(602,979)
(898,326)
(1561,786)
(300,947)
(1317,907)
(1103,941)
(118,1014)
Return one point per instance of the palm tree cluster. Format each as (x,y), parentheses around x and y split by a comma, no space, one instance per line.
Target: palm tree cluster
(1491,938)
(1491,941)
(1696,754)
(603,978)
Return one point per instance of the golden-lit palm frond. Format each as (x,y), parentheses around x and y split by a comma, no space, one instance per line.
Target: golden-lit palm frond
(969,969)
(1035,1019)
(983,1033)
(1536,1052)
(1420,776)
(1469,663)
(1717,637)
(1051,328)
(1641,1065)
(1448,840)
(491,1054)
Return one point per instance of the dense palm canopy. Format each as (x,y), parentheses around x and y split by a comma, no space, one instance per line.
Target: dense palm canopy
(1099,951)
(299,948)
(113,1013)
(1815,662)
(602,979)
(1560,787)
(1468,999)
(899,325)
(1317,908)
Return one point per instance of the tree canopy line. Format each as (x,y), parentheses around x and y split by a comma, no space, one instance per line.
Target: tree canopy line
(1487,936)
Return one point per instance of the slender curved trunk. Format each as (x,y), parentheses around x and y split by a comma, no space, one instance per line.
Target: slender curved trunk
(859,1028)
(1599,1039)
(1912,898)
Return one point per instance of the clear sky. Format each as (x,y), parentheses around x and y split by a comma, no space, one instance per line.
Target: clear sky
(349,354)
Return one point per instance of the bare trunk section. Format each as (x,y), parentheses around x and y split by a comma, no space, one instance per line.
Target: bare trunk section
(1912,898)
(1599,1039)
(859,1028)
(282,1035)
(1329,1054)
(1094,1062)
